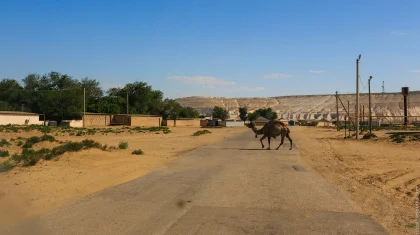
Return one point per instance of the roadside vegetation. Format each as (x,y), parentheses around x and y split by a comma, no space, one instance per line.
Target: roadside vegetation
(198,133)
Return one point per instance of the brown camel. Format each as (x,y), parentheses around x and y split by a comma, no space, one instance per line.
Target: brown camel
(272,129)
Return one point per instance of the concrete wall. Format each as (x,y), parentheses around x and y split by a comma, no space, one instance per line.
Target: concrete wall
(19,119)
(195,122)
(96,120)
(75,123)
(234,124)
(146,121)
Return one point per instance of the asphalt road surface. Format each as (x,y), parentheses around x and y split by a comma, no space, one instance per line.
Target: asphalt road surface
(233,187)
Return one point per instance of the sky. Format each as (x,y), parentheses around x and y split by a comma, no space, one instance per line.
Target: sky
(217,48)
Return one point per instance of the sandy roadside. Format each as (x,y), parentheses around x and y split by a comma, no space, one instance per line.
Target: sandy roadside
(379,175)
(33,190)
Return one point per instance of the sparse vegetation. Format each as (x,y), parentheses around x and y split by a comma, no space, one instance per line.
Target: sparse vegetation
(201,132)
(137,152)
(123,145)
(4,142)
(369,136)
(6,166)
(403,137)
(4,153)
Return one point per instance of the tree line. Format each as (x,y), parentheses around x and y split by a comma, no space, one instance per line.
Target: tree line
(59,96)
(268,113)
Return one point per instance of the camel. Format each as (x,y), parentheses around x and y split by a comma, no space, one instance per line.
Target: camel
(272,129)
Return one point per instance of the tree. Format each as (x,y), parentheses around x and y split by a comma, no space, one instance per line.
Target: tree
(169,109)
(243,113)
(142,98)
(219,112)
(110,104)
(266,113)
(11,93)
(93,93)
(188,112)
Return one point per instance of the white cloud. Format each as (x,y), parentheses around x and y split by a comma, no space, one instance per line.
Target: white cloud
(202,80)
(416,71)
(277,75)
(316,71)
(399,33)
(245,89)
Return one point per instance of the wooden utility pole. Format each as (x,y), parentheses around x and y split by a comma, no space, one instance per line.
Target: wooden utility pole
(84,106)
(127,103)
(348,108)
(336,106)
(370,109)
(357,97)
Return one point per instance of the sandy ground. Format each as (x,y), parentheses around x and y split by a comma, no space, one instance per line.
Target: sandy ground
(28,191)
(379,175)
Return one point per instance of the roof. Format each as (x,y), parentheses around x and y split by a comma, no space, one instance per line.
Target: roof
(261,119)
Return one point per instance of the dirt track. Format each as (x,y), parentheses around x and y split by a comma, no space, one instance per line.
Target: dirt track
(379,175)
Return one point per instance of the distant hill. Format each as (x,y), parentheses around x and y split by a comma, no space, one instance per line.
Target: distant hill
(309,107)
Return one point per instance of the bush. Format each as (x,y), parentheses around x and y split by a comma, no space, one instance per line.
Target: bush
(27,145)
(30,157)
(369,136)
(123,145)
(137,152)
(201,132)
(47,138)
(19,143)
(88,143)
(4,153)
(33,140)
(6,166)
(4,142)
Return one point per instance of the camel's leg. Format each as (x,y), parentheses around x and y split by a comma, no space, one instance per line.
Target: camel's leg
(262,140)
(290,139)
(281,142)
(269,138)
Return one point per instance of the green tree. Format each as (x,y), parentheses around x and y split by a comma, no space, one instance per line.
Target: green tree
(243,113)
(11,93)
(219,112)
(93,93)
(169,109)
(110,104)
(266,113)
(188,112)
(142,98)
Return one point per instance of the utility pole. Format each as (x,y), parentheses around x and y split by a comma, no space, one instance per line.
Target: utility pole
(370,109)
(84,106)
(383,87)
(357,97)
(336,106)
(127,103)
(348,108)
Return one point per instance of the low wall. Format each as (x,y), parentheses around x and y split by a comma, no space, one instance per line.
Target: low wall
(146,121)
(20,119)
(74,123)
(195,122)
(96,119)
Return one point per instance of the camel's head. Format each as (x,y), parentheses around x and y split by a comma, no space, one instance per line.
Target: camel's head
(252,125)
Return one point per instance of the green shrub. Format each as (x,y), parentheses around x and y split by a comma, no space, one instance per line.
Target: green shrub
(6,166)
(4,153)
(137,152)
(88,143)
(201,132)
(19,143)
(123,145)
(369,136)
(33,140)
(27,145)
(47,138)
(4,142)
(30,157)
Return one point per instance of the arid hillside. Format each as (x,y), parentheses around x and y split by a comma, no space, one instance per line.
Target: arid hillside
(309,107)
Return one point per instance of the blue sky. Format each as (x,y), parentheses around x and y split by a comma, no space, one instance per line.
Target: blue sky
(216,48)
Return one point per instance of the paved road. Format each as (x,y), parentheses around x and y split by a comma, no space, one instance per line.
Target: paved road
(230,188)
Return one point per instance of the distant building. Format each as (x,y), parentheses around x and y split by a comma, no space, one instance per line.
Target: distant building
(19,118)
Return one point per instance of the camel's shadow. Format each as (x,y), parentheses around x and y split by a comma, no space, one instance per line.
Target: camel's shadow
(255,149)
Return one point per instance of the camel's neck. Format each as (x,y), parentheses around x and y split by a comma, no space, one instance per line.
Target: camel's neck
(256,131)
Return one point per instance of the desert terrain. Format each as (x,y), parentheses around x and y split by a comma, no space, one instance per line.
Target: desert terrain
(29,191)
(379,175)
(310,107)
